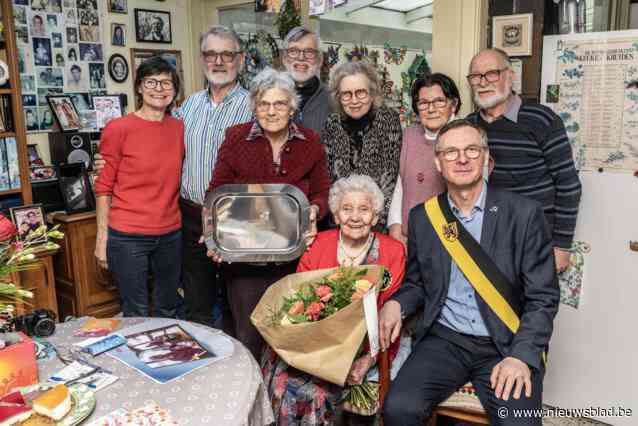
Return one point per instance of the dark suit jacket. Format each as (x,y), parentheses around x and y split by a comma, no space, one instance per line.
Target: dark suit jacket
(516,236)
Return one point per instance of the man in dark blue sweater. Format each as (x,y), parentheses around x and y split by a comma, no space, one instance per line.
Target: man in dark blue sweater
(530,148)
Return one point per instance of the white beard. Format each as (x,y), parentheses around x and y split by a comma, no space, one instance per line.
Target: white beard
(217,79)
(303,77)
(492,101)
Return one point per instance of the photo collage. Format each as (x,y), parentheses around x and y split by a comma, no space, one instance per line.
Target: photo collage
(59,52)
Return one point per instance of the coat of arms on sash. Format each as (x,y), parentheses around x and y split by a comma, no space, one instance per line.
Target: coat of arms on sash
(451,231)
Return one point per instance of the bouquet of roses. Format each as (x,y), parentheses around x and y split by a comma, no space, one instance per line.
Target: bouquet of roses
(319,300)
(315,320)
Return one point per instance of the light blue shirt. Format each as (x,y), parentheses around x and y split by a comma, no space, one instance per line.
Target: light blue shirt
(460,311)
(205,125)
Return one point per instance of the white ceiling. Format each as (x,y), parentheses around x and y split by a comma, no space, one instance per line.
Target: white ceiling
(402,5)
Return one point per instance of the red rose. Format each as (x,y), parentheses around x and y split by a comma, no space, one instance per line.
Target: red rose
(324,292)
(314,309)
(7,229)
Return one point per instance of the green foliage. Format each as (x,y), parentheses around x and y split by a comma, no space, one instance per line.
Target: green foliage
(287,19)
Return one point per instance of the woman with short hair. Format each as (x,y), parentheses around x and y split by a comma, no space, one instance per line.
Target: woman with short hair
(436,101)
(356,202)
(269,149)
(363,137)
(138,218)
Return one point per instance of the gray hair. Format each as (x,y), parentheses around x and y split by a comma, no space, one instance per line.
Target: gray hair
(503,56)
(355,183)
(455,124)
(297,34)
(269,78)
(348,69)
(221,32)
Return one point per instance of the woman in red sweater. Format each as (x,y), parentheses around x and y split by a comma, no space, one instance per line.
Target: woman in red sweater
(356,202)
(138,218)
(271,149)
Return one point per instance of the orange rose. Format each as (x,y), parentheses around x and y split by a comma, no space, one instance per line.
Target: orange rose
(7,229)
(324,292)
(314,310)
(296,308)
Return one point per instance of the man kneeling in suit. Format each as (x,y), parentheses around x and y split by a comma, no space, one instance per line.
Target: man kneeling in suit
(485,309)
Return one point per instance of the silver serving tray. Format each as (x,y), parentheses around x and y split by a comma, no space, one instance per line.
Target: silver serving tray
(256,222)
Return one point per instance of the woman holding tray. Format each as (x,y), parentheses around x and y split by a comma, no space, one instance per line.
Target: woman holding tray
(299,398)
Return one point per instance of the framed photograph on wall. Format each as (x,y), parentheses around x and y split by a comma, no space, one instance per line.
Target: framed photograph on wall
(513,33)
(118,34)
(65,113)
(27,220)
(117,6)
(118,68)
(174,57)
(107,108)
(153,26)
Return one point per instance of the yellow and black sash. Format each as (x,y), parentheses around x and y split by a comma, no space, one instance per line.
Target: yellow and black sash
(479,269)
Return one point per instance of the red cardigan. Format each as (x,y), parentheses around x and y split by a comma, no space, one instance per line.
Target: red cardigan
(323,254)
(303,163)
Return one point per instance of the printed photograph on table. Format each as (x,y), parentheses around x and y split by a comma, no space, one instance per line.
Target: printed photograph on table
(65,113)
(118,34)
(42,173)
(153,26)
(106,109)
(117,6)
(33,155)
(75,187)
(118,68)
(513,33)
(28,219)
(173,57)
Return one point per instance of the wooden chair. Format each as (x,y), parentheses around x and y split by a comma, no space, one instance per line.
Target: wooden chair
(462,405)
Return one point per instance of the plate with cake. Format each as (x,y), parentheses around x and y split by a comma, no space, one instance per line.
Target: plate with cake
(40,405)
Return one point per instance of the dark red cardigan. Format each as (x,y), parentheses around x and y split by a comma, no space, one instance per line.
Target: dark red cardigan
(303,163)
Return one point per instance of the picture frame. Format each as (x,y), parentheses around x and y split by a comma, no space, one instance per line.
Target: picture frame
(513,33)
(174,57)
(65,113)
(118,34)
(43,174)
(153,26)
(75,187)
(118,68)
(33,154)
(107,108)
(28,219)
(117,6)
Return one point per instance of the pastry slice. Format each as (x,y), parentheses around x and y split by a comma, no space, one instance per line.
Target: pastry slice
(55,403)
(11,414)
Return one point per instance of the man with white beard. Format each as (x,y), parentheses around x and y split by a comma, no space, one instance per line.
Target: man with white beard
(206,115)
(302,59)
(529,145)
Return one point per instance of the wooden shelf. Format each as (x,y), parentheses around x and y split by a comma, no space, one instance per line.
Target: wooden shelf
(6,91)
(11,191)
(7,135)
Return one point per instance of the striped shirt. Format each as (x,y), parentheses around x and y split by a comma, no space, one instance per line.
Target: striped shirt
(205,124)
(533,157)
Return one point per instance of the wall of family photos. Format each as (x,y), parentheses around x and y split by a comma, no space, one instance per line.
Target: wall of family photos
(64,47)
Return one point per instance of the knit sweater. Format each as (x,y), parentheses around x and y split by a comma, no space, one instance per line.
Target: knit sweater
(142,174)
(379,156)
(243,159)
(316,109)
(533,157)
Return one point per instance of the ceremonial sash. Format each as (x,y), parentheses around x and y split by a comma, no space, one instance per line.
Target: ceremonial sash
(479,269)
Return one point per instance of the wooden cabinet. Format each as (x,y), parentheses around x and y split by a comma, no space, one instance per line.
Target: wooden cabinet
(41,281)
(82,287)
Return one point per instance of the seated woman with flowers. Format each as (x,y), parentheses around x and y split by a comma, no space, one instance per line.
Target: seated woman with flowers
(299,398)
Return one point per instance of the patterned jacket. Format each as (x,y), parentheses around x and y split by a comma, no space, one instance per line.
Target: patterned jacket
(380,153)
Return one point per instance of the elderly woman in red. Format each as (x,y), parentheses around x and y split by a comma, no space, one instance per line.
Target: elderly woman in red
(271,149)
(356,202)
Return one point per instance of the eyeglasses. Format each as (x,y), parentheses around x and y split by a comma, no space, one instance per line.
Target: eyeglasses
(227,56)
(452,154)
(423,105)
(295,53)
(151,83)
(279,106)
(360,94)
(491,76)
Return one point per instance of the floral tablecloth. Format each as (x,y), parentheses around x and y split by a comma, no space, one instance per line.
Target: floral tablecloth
(227,392)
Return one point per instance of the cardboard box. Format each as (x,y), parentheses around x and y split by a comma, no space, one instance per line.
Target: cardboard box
(18,365)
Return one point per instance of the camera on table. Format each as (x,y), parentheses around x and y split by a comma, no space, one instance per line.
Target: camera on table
(40,323)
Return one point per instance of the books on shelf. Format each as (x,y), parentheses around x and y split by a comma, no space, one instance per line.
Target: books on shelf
(9,165)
